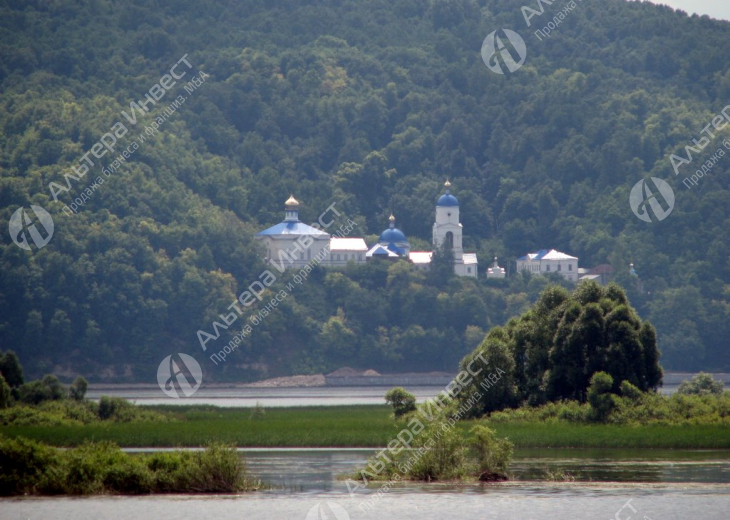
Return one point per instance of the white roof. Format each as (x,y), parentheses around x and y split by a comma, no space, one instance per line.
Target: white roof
(557,255)
(348,244)
(544,254)
(470,258)
(420,257)
(590,277)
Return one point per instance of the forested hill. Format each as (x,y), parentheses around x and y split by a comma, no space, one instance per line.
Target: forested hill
(370,104)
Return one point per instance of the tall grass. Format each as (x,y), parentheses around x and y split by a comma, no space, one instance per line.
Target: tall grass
(358,426)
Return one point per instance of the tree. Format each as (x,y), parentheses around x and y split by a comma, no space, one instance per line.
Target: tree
(554,349)
(441,269)
(495,381)
(401,400)
(701,384)
(11,369)
(77,390)
(5,393)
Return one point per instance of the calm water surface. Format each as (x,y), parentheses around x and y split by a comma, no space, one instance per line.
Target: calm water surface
(269,397)
(276,397)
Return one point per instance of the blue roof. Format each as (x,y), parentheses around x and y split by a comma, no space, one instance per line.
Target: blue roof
(447,200)
(396,249)
(392,235)
(538,255)
(292,227)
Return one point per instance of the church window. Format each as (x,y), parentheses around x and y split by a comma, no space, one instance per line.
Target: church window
(547,268)
(450,239)
(560,267)
(570,267)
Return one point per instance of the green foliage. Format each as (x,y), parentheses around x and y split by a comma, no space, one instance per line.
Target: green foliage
(401,400)
(11,370)
(24,465)
(30,467)
(600,398)
(372,105)
(444,456)
(47,389)
(70,412)
(77,390)
(630,391)
(552,351)
(258,411)
(5,393)
(701,384)
(631,408)
(493,455)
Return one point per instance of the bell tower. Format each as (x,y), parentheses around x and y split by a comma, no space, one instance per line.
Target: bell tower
(447,227)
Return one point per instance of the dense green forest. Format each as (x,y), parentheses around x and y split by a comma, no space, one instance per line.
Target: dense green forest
(370,104)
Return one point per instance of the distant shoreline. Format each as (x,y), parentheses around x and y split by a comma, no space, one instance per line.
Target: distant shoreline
(335,380)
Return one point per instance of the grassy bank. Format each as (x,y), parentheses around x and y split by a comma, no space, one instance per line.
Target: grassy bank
(354,426)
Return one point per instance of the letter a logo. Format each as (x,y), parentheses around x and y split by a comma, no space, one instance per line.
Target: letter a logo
(496,53)
(21,222)
(642,198)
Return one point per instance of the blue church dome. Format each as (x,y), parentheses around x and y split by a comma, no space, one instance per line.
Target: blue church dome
(392,235)
(447,199)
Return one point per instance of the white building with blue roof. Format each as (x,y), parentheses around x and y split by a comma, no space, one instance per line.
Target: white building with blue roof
(549,261)
(447,229)
(285,241)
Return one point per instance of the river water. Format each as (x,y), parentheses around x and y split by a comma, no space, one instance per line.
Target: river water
(308,485)
(275,397)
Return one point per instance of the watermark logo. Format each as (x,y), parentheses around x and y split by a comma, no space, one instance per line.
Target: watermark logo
(174,375)
(20,221)
(643,196)
(328,511)
(497,55)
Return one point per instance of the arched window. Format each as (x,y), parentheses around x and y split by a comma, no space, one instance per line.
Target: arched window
(450,239)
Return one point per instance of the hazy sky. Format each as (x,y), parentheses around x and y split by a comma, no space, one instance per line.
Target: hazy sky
(714,8)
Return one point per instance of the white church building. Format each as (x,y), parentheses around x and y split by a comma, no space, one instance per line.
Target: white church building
(547,261)
(287,237)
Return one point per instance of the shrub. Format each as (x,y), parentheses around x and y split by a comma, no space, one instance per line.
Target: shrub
(29,467)
(23,464)
(444,456)
(130,476)
(630,391)
(218,469)
(5,393)
(77,390)
(493,455)
(701,384)
(600,398)
(258,411)
(47,389)
(401,400)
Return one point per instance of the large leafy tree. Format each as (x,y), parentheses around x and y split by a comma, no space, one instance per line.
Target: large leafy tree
(553,351)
